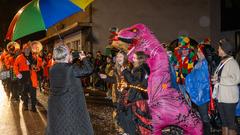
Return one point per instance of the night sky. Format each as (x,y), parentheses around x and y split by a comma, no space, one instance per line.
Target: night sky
(8,8)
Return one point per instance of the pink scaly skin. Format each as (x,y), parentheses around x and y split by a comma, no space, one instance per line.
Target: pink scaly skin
(167,105)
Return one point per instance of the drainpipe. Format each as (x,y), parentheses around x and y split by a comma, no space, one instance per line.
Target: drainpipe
(91,30)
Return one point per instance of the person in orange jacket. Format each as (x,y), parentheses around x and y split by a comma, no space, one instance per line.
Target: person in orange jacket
(3,55)
(3,67)
(48,64)
(25,69)
(40,66)
(12,81)
(8,61)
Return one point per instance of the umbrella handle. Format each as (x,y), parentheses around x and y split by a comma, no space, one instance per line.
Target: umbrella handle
(58,34)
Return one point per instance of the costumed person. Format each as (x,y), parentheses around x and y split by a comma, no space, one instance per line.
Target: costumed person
(212,60)
(197,84)
(40,65)
(167,105)
(109,71)
(47,64)
(8,61)
(124,114)
(13,48)
(183,59)
(36,48)
(3,67)
(24,68)
(67,109)
(137,82)
(226,79)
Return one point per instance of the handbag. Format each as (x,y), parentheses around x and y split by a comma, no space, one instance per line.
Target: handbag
(215,90)
(216,85)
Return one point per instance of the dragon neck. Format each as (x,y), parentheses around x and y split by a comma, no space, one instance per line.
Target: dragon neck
(158,60)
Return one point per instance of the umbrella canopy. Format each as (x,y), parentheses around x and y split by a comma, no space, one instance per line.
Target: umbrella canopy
(39,15)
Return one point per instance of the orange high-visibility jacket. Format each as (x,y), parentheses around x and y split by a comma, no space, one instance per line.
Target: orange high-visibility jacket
(39,62)
(3,55)
(48,65)
(9,61)
(2,60)
(20,65)
(5,61)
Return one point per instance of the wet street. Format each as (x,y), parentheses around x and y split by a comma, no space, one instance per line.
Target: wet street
(15,121)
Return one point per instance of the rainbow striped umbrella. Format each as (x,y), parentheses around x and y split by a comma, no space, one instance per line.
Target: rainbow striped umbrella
(39,15)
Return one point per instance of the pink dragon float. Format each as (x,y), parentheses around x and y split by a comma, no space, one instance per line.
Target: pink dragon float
(167,105)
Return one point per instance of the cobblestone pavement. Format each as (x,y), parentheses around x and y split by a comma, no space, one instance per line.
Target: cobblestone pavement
(101,115)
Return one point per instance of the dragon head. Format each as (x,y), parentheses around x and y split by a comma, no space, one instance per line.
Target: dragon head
(136,38)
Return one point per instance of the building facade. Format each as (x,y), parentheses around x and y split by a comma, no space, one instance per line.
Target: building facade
(89,31)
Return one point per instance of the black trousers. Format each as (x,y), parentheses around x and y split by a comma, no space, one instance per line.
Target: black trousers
(28,89)
(15,89)
(203,110)
(227,114)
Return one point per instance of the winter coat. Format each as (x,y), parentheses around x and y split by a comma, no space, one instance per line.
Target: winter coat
(67,110)
(229,80)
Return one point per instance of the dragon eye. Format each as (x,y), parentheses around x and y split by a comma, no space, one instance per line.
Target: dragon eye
(134,30)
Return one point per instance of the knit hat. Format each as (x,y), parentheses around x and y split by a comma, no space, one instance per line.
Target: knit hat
(226,46)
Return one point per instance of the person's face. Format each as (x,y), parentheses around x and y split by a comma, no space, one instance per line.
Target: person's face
(98,54)
(109,60)
(41,54)
(221,53)
(49,56)
(89,55)
(135,59)
(27,51)
(11,51)
(185,52)
(69,58)
(120,58)
(200,54)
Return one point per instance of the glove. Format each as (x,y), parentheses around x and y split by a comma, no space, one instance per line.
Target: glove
(19,76)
